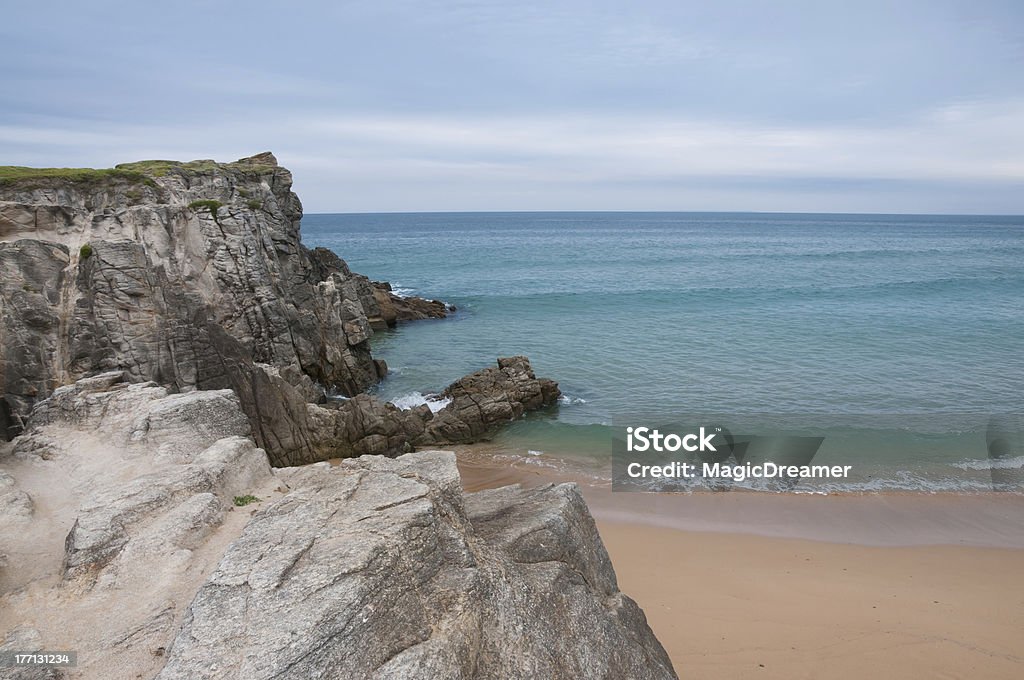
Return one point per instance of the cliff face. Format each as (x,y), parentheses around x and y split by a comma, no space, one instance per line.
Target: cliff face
(165,271)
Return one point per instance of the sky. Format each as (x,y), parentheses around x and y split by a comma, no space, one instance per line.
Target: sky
(390,106)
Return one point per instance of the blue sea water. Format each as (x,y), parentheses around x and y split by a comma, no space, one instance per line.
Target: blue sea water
(901,335)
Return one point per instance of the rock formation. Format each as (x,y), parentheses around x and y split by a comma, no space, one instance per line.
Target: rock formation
(395,308)
(153,268)
(124,504)
(477,404)
(192,275)
(118,499)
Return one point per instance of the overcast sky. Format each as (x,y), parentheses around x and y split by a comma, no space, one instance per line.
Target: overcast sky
(912,106)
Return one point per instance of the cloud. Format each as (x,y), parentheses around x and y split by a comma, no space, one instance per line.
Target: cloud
(957,147)
(452,104)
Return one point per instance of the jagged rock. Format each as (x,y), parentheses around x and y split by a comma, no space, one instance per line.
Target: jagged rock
(478,404)
(394,308)
(133,269)
(486,399)
(376,567)
(31,282)
(170,273)
(381,568)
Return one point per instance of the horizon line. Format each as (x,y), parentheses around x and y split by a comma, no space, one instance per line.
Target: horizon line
(654,212)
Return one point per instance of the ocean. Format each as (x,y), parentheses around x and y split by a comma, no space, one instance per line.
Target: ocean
(899,339)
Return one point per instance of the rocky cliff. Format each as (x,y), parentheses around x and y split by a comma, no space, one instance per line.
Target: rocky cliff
(193,276)
(134,269)
(127,537)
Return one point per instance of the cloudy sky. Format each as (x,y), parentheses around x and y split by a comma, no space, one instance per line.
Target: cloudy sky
(912,106)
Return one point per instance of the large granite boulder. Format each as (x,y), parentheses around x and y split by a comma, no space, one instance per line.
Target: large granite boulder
(382,568)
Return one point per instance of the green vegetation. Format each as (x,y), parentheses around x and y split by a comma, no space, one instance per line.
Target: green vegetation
(254,204)
(85,252)
(242,501)
(161,168)
(30,178)
(212,206)
(244,193)
(141,172)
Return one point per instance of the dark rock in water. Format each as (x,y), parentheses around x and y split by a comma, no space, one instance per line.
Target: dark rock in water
(384,568)
(395,308)
(477,405)
(487,399)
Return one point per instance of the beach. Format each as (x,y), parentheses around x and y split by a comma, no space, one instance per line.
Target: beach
(730,605)
(760,585)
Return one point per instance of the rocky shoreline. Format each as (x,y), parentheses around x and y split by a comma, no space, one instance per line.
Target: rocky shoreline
(167,351)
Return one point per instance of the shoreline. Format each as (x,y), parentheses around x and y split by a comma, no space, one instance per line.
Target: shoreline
(780,585)
(890,518)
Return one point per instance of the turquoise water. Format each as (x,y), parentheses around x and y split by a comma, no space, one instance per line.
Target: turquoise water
(911,324)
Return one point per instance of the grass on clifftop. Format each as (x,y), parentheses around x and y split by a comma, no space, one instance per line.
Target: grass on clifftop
(141,172)
(161,168)
(30,177)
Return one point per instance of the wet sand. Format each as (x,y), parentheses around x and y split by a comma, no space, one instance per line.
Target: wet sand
(757,585)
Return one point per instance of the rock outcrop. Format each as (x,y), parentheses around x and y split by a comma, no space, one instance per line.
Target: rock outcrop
(155,268)
(475,406)
(382,568)
(125,545)
(122,504)
(395,308)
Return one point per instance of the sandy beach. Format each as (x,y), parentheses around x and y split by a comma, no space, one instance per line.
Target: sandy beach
(740,585)
(728,605)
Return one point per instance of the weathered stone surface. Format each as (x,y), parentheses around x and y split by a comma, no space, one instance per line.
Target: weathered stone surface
(486,399)
(31,284)
(131,505)
(380,568)
(477,405)
(134,276)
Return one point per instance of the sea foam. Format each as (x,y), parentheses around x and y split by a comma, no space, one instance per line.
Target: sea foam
(433,401)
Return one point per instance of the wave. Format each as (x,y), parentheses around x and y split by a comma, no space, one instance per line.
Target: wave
(988,464)
(568,400)
(409,401)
